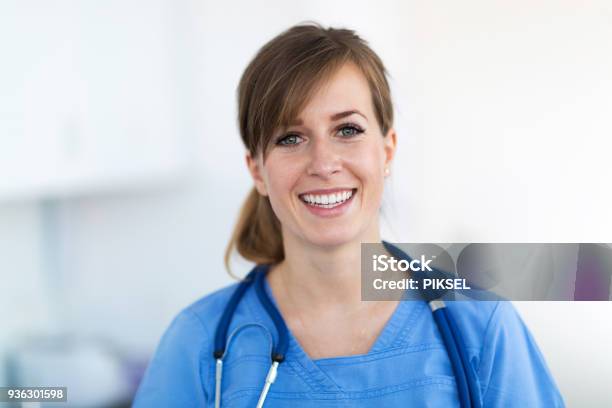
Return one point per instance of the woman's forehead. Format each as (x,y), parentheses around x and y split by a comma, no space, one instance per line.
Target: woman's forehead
(346,90)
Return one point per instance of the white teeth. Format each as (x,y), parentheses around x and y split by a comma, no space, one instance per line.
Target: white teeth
(327,200)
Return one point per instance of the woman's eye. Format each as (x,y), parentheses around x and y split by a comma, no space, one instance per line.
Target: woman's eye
(350,130)
(288,140)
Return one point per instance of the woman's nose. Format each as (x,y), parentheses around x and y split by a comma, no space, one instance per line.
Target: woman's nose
(324,161)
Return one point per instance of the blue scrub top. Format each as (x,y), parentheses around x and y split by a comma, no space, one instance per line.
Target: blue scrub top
(407,365)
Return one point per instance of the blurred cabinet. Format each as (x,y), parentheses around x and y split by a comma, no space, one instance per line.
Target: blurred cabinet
(88,97)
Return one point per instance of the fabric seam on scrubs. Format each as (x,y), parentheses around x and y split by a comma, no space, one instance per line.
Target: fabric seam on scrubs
(391,329)
(255,358)
(315,376)
(405,335)
(386,354)
(484,388)
(346,395)
(204,366)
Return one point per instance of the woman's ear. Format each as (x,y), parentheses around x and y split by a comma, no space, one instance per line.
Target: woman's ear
(255,165)
(390,144)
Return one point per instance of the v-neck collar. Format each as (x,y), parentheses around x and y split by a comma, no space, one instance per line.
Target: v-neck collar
(395,333)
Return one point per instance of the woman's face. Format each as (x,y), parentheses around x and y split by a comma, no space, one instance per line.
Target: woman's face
(324,176)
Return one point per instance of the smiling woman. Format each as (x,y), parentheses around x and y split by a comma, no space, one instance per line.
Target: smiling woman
(310,99)
(316,119)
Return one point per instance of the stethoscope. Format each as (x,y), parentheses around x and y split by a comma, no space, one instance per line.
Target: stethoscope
(467,384)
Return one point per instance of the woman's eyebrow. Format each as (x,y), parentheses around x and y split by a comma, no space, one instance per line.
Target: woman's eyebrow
(335,116)
(344,114)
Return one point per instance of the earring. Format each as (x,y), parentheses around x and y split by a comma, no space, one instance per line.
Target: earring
(387,171)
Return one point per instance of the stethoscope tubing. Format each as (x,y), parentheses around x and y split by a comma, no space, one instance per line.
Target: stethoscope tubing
(441,318)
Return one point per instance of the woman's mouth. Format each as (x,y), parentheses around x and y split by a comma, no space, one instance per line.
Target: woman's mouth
(329,203)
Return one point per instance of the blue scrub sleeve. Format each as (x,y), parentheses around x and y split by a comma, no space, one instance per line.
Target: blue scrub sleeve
(178,369)
(512,370)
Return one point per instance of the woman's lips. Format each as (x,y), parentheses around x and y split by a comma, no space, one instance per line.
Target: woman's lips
(327,210)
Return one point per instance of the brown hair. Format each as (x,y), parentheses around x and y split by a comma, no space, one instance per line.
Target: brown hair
(273,90)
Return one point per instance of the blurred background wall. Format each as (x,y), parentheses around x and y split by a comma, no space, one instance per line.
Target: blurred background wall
(122,171)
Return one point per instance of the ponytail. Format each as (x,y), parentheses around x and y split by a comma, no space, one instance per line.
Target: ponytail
(257,235)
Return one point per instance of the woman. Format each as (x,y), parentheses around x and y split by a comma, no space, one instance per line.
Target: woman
(316,117)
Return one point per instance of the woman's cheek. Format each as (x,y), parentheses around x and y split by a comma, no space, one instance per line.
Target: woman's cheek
(280,190)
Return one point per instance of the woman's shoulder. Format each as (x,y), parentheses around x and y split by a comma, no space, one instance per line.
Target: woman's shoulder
(478,319)
(178,372)
(508,362)
(212,302)
(194,325)
(207,310)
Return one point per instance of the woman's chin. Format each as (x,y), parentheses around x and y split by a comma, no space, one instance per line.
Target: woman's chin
(331,239)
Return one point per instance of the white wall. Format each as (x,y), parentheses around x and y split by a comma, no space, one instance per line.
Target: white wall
(502,115)
(575,340)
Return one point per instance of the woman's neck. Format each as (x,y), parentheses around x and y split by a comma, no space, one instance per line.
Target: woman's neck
(318,291)
(321,277)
